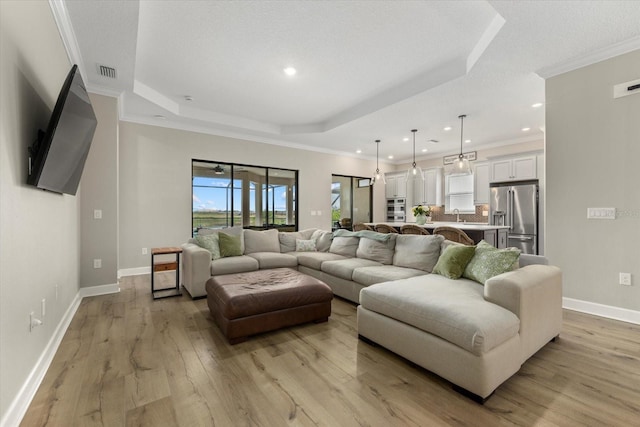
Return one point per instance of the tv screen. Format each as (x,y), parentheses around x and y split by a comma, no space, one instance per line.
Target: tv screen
(57,158)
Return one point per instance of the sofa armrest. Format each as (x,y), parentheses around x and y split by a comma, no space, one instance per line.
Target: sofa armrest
(534,294)
(196,269)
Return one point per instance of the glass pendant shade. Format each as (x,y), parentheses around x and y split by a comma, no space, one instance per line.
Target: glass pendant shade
(461,166)
(377,175)
(415,171)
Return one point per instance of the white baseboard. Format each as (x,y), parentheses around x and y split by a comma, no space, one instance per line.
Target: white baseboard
(608,311)
(92,291)
(21,403)
(133,271)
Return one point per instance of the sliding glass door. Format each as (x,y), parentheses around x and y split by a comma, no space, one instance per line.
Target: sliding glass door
(351,201)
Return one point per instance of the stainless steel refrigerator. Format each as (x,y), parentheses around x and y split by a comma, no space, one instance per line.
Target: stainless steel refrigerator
(516,206)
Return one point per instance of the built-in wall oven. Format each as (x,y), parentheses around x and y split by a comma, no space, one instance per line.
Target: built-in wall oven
(396,210)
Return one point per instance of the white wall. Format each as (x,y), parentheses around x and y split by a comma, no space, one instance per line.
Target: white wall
(155,183)
(99,189)
(593,153)
(39,244)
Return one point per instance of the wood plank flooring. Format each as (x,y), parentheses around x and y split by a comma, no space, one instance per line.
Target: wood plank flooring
(127,360)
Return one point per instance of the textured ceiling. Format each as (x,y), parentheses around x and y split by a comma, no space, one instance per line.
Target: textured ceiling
(366,70)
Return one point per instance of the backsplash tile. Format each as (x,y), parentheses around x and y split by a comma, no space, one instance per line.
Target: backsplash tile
(437,214)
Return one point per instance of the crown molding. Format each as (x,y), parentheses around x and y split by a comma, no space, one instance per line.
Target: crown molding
(61,16)
(574,63)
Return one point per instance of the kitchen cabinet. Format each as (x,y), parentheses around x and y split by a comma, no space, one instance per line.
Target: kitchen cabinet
(481,183)
(396,185)
(429,192)
(513,169)
(491,237)
(502,238)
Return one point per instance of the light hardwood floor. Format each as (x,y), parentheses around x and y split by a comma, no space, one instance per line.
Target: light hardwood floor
(127,360)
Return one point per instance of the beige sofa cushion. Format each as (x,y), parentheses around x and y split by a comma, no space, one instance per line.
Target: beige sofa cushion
(236,264)
(323,240)
(288,239)
(376,250)
(419,252)
(369,275)
(315,259)
(454,310)
(274,260)
(346,246)
(261,241)
(344,268)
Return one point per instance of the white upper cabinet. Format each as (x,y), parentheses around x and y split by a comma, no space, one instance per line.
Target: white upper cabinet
(513,169)
(428,192)
(481,183)
(433,187)
(396,185)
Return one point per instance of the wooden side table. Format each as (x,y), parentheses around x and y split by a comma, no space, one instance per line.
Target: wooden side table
(165,266)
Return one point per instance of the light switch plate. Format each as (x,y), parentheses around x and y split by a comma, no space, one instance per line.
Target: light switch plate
(97,214)
(601,213)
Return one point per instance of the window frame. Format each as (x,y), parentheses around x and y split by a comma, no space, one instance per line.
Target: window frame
(269,171)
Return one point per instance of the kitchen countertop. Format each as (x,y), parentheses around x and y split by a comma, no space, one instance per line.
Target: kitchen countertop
(465,226)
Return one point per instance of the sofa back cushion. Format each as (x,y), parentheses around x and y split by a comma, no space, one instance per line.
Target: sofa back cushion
(345,246)
(375,250)
(419,252)
(288,239)
(323,240)
(261,241)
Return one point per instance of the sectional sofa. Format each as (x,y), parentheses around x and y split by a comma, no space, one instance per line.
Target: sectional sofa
(475,335)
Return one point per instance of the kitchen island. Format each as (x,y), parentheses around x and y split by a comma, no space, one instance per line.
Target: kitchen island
(496,235)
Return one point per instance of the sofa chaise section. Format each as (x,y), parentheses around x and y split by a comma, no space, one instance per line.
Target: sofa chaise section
(472,335)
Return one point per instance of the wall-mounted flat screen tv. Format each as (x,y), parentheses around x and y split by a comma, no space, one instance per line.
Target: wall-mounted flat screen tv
(57,158)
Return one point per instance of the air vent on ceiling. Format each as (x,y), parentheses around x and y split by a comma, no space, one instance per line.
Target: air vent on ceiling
(105,71)
(433,141)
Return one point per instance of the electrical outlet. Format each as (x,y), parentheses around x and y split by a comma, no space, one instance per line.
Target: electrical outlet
(97,263)
(144,251)
(625,279)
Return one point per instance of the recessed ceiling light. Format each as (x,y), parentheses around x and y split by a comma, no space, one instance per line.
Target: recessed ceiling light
(466,141)
(405,139)
(448,128)
(358,151)
(290,71)
(391,157)
(537,105)
(526,129)
(424,150)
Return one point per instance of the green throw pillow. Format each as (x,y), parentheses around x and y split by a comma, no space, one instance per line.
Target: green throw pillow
(229,245)
(210,243)
(453,260)
(489,261)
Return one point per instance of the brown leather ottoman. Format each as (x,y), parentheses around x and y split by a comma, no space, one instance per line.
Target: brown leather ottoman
(245,304)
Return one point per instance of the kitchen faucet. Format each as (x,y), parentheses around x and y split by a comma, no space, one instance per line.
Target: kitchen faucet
(457,213)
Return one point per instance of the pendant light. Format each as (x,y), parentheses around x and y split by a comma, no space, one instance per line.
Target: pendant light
(414,172)
(462,165)
(378,176)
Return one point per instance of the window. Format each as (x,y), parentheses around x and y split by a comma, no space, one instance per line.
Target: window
(459,194)
(228,195)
